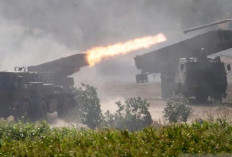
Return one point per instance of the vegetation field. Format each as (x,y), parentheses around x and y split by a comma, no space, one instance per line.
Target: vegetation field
(151,138)
(39,139)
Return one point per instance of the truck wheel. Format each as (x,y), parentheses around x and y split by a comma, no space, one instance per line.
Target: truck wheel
(6,108)
(202,99)
(218,98)
(65,106)
(21,110)
(43,109)
(60,111)
(38,109)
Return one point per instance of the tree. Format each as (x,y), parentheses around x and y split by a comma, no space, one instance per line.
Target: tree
(89,105)
(177,109)
(131,115)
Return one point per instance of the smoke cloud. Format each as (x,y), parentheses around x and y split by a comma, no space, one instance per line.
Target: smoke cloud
(33,32)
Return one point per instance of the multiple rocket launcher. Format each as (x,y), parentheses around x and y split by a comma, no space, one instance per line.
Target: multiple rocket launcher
(163,60)
(47,87)
(158,61)
(71,64)
(64,67)
(167,62)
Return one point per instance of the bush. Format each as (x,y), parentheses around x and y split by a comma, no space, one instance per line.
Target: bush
(132,115)
(89,105)
(31,139)
(177,109)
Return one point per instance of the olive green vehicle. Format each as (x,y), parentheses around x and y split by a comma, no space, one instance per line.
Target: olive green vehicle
(185,68)
(40,89)
(201,78)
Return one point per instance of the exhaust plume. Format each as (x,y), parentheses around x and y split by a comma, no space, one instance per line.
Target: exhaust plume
(95,55)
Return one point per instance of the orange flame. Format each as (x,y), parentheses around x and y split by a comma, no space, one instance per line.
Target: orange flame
(95,55)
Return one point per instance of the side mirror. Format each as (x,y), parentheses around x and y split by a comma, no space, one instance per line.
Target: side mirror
(228,67)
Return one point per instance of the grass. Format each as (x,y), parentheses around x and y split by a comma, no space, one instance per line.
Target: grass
(38,139)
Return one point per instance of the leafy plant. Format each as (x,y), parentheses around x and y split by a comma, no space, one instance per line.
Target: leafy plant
(177,109)
(38,139)
(89,105)
(132,115)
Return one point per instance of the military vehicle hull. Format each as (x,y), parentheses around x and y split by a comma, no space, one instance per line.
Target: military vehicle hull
(42,89)
(166,60)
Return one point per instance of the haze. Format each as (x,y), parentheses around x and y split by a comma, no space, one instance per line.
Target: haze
(33,32)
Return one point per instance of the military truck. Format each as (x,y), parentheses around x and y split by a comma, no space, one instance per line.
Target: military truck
(193,80)
(40,89)
(201,78)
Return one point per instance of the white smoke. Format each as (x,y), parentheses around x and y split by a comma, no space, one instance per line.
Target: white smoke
(20,48)
(35,31)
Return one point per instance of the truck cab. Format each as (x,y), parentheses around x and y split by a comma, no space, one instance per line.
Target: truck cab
(201,78)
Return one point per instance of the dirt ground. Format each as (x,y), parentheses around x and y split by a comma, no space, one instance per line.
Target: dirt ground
(111,92)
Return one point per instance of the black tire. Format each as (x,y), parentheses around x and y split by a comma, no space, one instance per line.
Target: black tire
(202,99)
(65,106)
(21,110)
(43,110)
(38,109)
(60,110)
(218,98)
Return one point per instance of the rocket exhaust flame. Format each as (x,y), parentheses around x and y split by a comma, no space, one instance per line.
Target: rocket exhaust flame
(95,55)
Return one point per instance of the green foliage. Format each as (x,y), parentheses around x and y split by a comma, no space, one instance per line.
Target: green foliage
(38,139)
(177,109)
(132,115)
(89,105)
